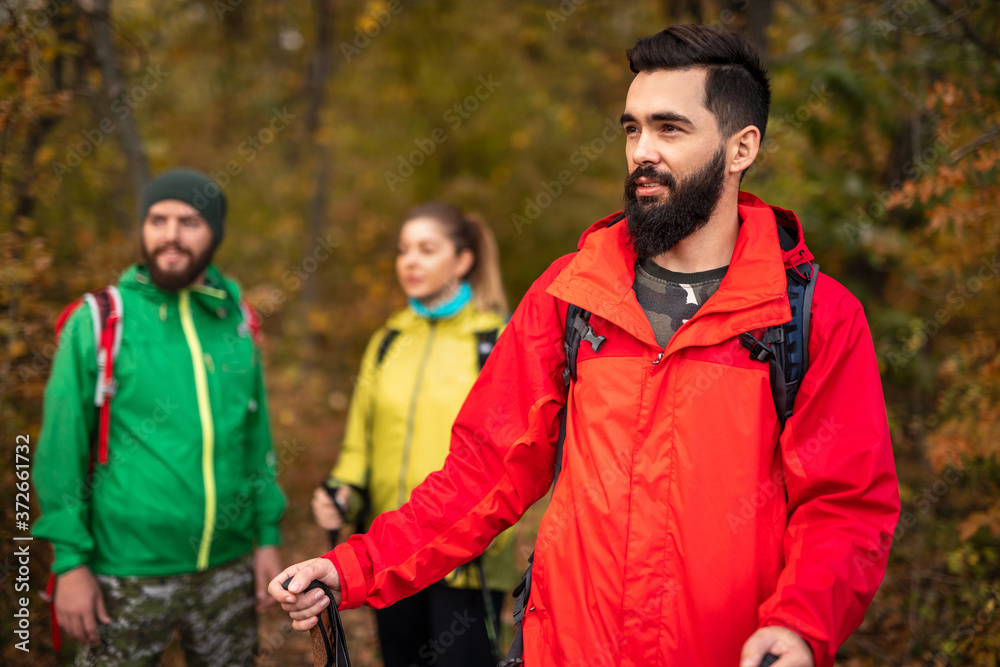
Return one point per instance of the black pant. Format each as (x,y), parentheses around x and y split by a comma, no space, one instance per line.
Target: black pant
(439,626)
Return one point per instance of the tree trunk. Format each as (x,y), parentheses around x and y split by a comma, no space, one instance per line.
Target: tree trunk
(320,64)
(102,41)
(752,18)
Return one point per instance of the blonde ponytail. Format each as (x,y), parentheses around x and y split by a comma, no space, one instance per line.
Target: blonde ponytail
(487,285)
(471,232)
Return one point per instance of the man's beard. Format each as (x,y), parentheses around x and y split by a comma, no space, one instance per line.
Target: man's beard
(656,226)
(172,281)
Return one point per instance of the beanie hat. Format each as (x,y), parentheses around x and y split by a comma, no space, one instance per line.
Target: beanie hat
(194,188)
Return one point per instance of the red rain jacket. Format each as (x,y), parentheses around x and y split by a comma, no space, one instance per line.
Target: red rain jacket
(683,519)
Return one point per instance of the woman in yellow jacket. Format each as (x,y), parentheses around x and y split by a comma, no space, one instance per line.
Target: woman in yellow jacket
(415,374)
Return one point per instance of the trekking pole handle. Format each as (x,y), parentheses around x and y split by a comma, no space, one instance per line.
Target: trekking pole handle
(769,659)
(329,642)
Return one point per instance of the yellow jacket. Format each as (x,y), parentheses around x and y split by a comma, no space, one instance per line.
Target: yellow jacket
(399,424)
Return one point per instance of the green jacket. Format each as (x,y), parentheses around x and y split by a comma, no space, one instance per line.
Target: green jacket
(190,480)
(399,424)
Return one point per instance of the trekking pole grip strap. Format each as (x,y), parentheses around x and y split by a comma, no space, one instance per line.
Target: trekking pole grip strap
(329,641)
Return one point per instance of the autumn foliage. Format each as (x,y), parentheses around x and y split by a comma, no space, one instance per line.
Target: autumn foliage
(324,121)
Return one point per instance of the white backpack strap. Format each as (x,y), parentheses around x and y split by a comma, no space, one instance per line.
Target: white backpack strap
(118,307)
(95,316)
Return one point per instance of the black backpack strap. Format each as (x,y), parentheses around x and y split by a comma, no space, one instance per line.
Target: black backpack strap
(103,299)
(383,347)
(795,358)
(785,347)
(515,654)
(485,342)
(577,330)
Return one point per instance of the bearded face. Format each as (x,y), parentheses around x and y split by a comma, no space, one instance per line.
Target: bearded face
(167,272)
(177,244)
(657,223)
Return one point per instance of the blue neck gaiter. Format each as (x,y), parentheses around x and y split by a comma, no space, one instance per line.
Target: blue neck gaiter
(447,308)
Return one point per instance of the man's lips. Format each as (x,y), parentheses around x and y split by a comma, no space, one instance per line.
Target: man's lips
(648,187)
(172,254)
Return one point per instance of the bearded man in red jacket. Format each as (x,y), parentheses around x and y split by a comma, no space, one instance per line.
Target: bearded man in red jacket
(688,526)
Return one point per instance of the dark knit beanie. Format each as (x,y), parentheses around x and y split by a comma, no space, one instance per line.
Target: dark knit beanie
(192,187)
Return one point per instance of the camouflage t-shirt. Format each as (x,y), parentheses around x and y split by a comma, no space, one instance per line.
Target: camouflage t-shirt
(669,298)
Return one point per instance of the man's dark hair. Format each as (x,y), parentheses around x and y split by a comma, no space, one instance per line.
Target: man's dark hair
(737,91)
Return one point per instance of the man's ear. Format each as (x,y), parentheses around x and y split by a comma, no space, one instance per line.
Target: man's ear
(743,149)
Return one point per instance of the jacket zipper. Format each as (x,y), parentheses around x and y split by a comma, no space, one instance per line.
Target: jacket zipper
(404,467)
(207,426)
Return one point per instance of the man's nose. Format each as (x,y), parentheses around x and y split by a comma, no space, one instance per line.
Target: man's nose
(645,150)
(172,230)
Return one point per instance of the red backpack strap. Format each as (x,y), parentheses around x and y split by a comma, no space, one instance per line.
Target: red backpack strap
(50,597)
(109,301)
(64,316)
(106,312)
(251,320)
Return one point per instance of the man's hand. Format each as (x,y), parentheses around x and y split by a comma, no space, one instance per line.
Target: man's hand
(791,649)
(303,608)
(327,516)
(266,566)
(80,605)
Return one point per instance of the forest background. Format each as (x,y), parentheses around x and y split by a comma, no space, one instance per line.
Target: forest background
(324,121)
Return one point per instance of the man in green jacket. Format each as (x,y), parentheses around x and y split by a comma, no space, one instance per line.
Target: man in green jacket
(178,529)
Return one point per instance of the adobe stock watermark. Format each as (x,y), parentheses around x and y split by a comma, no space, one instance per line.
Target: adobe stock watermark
(923,502)
(229,513)
(432,650)
(728,16)
(581,159)
(223,7)
(566,9)
(455,116)
(956,299)
(248,150)
(378,19)
(968,629)
(122,107)
(297,275)
(770,488)
(785,127)
(899,13)
(33,21)
(913,170)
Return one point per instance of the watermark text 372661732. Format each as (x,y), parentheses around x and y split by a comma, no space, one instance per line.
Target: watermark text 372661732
(22,551)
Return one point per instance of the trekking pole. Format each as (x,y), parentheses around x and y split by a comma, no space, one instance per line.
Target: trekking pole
(328,641)
(335,534)
(769,659)
(491,614)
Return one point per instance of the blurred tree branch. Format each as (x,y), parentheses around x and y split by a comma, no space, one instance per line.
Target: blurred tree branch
(989,49)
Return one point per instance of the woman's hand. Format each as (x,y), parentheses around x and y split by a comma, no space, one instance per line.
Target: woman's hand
(327,515)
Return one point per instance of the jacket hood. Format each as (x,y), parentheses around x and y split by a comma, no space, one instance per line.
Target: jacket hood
(794,249)
(600,276)
(216,284)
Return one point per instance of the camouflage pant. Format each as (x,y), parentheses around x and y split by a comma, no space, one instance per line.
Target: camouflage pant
(212,610)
